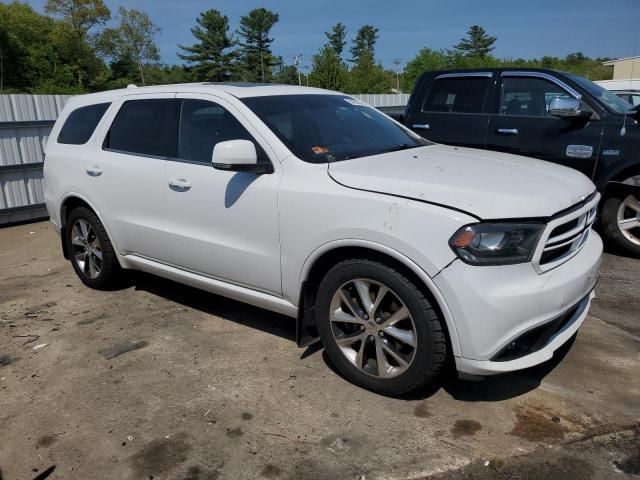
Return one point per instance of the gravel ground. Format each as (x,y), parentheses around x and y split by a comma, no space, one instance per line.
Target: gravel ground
(162,381)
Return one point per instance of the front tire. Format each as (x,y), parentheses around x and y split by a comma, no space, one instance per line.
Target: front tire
(378,328)
(90,251)
(621,222)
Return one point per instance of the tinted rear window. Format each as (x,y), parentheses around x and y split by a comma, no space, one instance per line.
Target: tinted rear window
(146,127)
(81,124)
(460,95)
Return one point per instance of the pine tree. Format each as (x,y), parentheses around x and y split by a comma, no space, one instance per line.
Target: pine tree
(255,44)
(211,56)
(477,44)
(364,42)
(336,38)
(328,69)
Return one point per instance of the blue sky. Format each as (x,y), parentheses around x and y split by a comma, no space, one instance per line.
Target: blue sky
(524,28)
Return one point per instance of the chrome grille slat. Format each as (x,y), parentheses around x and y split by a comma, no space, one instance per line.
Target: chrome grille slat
(565,236)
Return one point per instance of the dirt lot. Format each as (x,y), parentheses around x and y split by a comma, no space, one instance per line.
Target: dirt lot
(162,381)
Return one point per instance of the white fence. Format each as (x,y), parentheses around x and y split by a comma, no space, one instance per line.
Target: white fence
(384,99)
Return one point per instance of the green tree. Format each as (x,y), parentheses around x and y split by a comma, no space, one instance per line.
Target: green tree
(336,38)
(367,76)
(477,43)
(133,39)
(42,55)
(425,60)
(283,73)
(82,15)
(327,69)
(211,55)
(364,42)
(255,44)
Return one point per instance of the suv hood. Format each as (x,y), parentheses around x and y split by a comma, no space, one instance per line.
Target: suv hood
(488,185)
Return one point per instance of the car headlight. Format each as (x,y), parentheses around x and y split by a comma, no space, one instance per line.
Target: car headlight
(496,243)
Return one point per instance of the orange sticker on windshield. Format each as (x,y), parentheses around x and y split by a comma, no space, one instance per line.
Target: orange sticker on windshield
(319,150)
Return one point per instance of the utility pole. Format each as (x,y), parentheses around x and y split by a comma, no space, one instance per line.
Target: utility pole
(397,62)
(296,62)
(1,70)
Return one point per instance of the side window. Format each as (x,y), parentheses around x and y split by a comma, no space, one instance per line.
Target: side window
(528,96)
(202,125)
(81,123)
(457,94)
(146,127)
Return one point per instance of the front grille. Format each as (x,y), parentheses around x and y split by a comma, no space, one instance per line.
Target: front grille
(567,234)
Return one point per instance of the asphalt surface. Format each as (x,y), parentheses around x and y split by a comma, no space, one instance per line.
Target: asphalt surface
(158,380)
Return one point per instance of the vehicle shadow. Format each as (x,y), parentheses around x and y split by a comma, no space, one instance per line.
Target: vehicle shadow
(483,389)
(212,304)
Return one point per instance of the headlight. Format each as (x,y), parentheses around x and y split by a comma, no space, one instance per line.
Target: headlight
(496,243)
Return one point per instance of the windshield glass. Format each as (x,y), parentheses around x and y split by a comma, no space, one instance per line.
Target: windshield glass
(611,100)
(328,128)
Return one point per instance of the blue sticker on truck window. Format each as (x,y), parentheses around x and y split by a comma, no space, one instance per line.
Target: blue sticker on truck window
(579,151)
(610,152)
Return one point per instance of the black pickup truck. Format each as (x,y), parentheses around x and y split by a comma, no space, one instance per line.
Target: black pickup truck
(546,114)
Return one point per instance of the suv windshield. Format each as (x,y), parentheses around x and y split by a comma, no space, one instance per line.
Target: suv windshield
(328,128)
(612,101)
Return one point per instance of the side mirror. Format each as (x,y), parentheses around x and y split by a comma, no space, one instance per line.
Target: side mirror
(565,107)
(238,156)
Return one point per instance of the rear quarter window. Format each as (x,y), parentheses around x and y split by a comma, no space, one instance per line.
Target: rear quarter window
(81,123)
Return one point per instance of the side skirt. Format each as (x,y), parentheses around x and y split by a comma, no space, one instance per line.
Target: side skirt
(229,290)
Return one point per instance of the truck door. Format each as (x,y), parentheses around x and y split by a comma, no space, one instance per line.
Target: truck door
(522,124)
(451,108)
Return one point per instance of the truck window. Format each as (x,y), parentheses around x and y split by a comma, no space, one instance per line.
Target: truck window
(146,127)
(459,95)
(81,123)
(530,97)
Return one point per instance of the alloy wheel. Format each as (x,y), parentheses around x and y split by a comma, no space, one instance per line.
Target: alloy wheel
(373,328)
(629,219)
(87,251)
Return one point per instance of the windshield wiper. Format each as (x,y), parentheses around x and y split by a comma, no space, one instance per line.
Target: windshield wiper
(397,148)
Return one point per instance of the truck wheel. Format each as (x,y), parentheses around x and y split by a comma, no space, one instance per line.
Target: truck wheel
(90,250)
(378,328)
(621,222)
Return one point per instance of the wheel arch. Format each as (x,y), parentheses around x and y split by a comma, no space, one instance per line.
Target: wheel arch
(69,203)
(325,257)
(617,183)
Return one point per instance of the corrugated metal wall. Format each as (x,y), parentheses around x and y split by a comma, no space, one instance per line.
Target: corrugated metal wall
(384,99)
(25,123)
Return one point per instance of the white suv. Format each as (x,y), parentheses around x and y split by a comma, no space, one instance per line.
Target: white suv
(397,253)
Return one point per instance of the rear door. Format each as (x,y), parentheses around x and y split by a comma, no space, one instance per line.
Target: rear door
(451,109)
(126,172)
(522,125)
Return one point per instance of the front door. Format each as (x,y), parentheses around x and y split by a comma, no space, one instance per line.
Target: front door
(451,110)
(221,224)
(522,124)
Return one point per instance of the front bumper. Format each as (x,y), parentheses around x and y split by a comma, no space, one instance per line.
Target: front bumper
(494,306)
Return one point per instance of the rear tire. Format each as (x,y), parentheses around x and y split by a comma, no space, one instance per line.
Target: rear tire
(617,215)
(392,345)
(90,251)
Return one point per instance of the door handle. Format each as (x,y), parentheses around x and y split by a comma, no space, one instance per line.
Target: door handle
(507,131)
(421,126)
(94,171)
(179,184)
